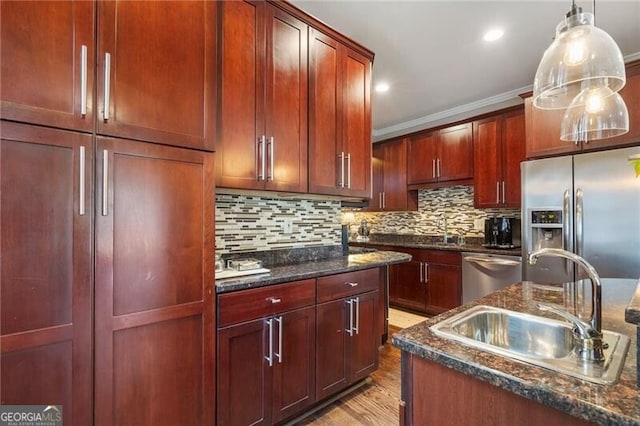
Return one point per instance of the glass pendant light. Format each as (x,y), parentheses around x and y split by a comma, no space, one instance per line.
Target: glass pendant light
(596,113)
(581,57)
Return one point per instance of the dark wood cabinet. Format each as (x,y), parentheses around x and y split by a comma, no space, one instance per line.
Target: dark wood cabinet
(154,323)
(266,353)
(389,164)
(339,118)
(543,126)
(263,99)
(46,293)
(498,150)
(348,335)
(442,156)
(47,57)
(156,69)
(430,283)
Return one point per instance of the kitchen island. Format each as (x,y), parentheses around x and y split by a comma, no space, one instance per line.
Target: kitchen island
(446,381)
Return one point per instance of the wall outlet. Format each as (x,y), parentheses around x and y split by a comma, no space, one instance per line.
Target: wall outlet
(287,226)
(478,224)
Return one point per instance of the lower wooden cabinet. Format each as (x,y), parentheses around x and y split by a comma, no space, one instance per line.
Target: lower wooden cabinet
(266,352)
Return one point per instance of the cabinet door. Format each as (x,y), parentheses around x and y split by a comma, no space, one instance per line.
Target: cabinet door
(423,151)
(241,103)
(377,182)
(331,348)
(244,376)
(487,162)
(294,369)
(455,153)
(42,62)
(45,241)
(325,113)
(444,287)
(396,195)
(154,277)
(513,153)
(408,289)
(159,84)
(543,132)
(286,101)
(356,129)
(363,344)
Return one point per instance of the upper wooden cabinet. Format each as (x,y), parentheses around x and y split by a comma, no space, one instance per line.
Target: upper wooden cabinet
(263,98)
(153,62)
(339,118)
(438,156)
(47,57)
(498,149)
(389,163)
(543,126)
(156,68)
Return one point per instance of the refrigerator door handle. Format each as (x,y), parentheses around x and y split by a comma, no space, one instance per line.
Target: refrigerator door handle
(566,230)
(579,222)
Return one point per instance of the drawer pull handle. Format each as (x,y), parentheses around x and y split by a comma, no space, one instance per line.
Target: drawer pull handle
(274,300)
(352,284)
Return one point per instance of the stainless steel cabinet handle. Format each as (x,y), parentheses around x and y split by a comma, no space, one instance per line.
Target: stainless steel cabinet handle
(421,272)
(348,170)
(497,192)
(83,80)
(105,182)
(107,84)
(274,300)
(438,166)
(380,199)
(269,357)
(426,273)
(81,185)
(503,197)
(271,172)
(357,315)
(279,354)
(433,168)
(384,200)
(579,223)
(352,284)
(350,329)
(260,157)
(341,181)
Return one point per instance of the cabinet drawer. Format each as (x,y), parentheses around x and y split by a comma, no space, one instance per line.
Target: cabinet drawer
(344,285)
(246,305)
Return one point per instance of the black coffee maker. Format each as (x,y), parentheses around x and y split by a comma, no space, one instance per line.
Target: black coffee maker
(502,232)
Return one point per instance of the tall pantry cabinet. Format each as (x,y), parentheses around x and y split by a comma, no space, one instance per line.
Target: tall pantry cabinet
(106,232)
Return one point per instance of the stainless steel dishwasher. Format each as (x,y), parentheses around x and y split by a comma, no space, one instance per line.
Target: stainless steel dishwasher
(483,274)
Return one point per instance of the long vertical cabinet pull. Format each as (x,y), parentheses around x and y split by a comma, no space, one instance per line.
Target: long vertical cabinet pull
(81,183)
(83,80)
(421,272)
(426,273)
(350,329)
(107,84)
(349,171)
(341,181)
(260,161)
(433,168)
(105,182)
(270,172)
(279,353)
(357,315)
(497,192)
(503,196)
(438,166)
(269,357)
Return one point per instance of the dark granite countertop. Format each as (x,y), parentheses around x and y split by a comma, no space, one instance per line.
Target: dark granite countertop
(312,269)
(603,404)
(431,242)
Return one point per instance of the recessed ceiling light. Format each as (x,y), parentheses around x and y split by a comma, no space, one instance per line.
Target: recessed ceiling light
(382,87)
(493,35)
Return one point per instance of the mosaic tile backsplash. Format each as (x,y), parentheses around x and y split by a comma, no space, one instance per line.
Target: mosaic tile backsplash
(455,203)
(255,223)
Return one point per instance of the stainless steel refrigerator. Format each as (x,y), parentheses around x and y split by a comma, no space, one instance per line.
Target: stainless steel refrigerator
(585,203)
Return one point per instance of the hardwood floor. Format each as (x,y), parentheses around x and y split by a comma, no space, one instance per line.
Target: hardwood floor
(373,404)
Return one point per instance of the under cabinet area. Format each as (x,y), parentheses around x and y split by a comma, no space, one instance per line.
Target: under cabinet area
(282,348)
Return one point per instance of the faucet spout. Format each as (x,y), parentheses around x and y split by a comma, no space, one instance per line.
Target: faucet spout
(589,334)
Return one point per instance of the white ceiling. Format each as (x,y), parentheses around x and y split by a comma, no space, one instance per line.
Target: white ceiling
(440,70)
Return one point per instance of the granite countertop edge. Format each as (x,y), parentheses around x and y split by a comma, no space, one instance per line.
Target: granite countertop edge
(535,383)
(473,248)
(312,269)
(632,313)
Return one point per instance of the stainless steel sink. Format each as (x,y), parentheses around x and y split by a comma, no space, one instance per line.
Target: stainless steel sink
(536,340)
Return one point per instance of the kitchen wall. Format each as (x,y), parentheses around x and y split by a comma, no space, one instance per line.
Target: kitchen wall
(255,223)
(455,202)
